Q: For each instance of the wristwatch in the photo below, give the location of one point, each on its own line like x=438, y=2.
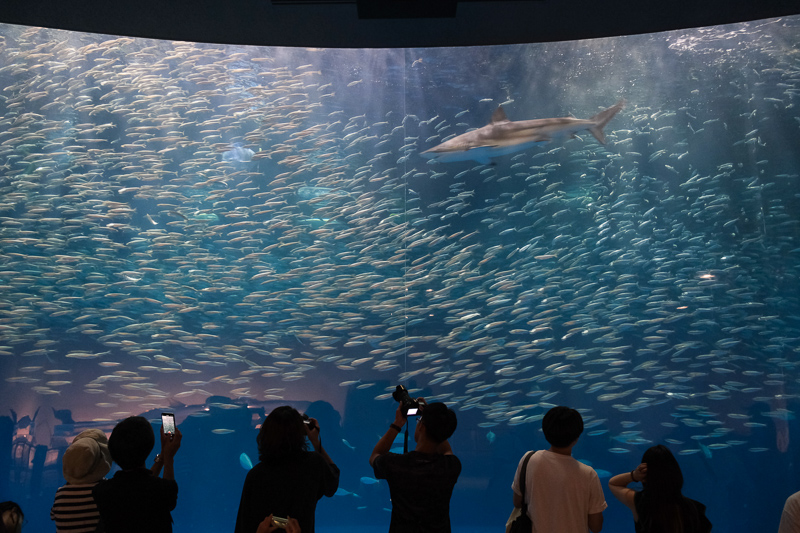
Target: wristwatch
x=157, y=459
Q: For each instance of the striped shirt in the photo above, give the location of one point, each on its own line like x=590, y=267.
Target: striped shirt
x=74, y=509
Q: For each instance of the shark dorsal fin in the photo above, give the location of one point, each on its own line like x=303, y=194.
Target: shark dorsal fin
x=499, y=115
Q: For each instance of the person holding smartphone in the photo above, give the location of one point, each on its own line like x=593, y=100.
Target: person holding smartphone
x=136, y=499
x=421, y=481
x=289, y=479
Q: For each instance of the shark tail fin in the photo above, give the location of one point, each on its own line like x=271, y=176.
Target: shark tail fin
x=603, y=118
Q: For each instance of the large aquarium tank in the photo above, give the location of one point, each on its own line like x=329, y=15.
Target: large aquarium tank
x=218, y=230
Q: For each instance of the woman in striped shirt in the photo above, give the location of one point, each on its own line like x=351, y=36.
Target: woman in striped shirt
x=85, y=463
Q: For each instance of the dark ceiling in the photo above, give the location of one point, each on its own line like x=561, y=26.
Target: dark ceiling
x=383, y=23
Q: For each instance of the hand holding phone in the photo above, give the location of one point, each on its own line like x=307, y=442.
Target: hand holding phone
x=168, y=421
x=289, y=524
x=170, y=439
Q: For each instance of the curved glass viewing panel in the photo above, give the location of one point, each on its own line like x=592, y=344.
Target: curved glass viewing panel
x=218, y=230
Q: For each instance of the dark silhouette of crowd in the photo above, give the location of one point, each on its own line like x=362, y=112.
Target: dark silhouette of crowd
x=555, y=491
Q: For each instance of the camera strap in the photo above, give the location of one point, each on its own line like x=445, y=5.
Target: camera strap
x=405, y=438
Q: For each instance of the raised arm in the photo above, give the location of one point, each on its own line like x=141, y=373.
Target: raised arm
x=312, y=430
x=169, y=447
x=619, y=487
x=385, y=443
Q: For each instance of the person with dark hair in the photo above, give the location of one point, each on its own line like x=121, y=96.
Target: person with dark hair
x=562, y=494
x=86, y=461
x=288, y=480
x=659, y=507
x=421, y=481
x=11, y=517
x=136, y=499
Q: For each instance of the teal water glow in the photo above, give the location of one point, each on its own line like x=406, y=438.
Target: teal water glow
x=219, y=230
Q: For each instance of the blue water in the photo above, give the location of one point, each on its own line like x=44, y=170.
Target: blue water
x=217, y=231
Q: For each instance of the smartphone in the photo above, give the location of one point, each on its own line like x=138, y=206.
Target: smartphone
x=280, y=522
x=168, y=421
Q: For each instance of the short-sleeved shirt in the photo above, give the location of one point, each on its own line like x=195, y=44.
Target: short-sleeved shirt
x=420, y=485
x=560, y=492
x=134, y=501
x=74, y=509
x=286, y=488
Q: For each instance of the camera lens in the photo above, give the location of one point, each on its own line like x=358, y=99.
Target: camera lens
x=410, y=406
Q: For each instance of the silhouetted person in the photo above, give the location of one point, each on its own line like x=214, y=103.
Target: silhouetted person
x=86, y=461
x=659, y=507
x=136, y=500
x=790, y=518
x=11, y=517
x=563, y=495
x=421, y=481
x=289, y=480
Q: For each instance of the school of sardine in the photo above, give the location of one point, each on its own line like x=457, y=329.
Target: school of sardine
x=174, y=208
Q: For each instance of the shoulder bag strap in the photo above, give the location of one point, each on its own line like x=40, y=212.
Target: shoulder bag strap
x=522, y=473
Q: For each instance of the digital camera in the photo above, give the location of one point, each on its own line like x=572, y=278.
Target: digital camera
x=307, y=421
x=409, y=405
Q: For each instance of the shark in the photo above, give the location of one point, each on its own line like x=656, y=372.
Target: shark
x=503, y=136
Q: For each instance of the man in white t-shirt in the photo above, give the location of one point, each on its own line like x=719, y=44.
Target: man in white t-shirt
x=563, y=495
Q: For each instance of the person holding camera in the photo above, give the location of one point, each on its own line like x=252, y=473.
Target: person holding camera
x=289, y=480
x=421, y=481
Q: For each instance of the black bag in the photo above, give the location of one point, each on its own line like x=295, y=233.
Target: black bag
x=519, y=522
